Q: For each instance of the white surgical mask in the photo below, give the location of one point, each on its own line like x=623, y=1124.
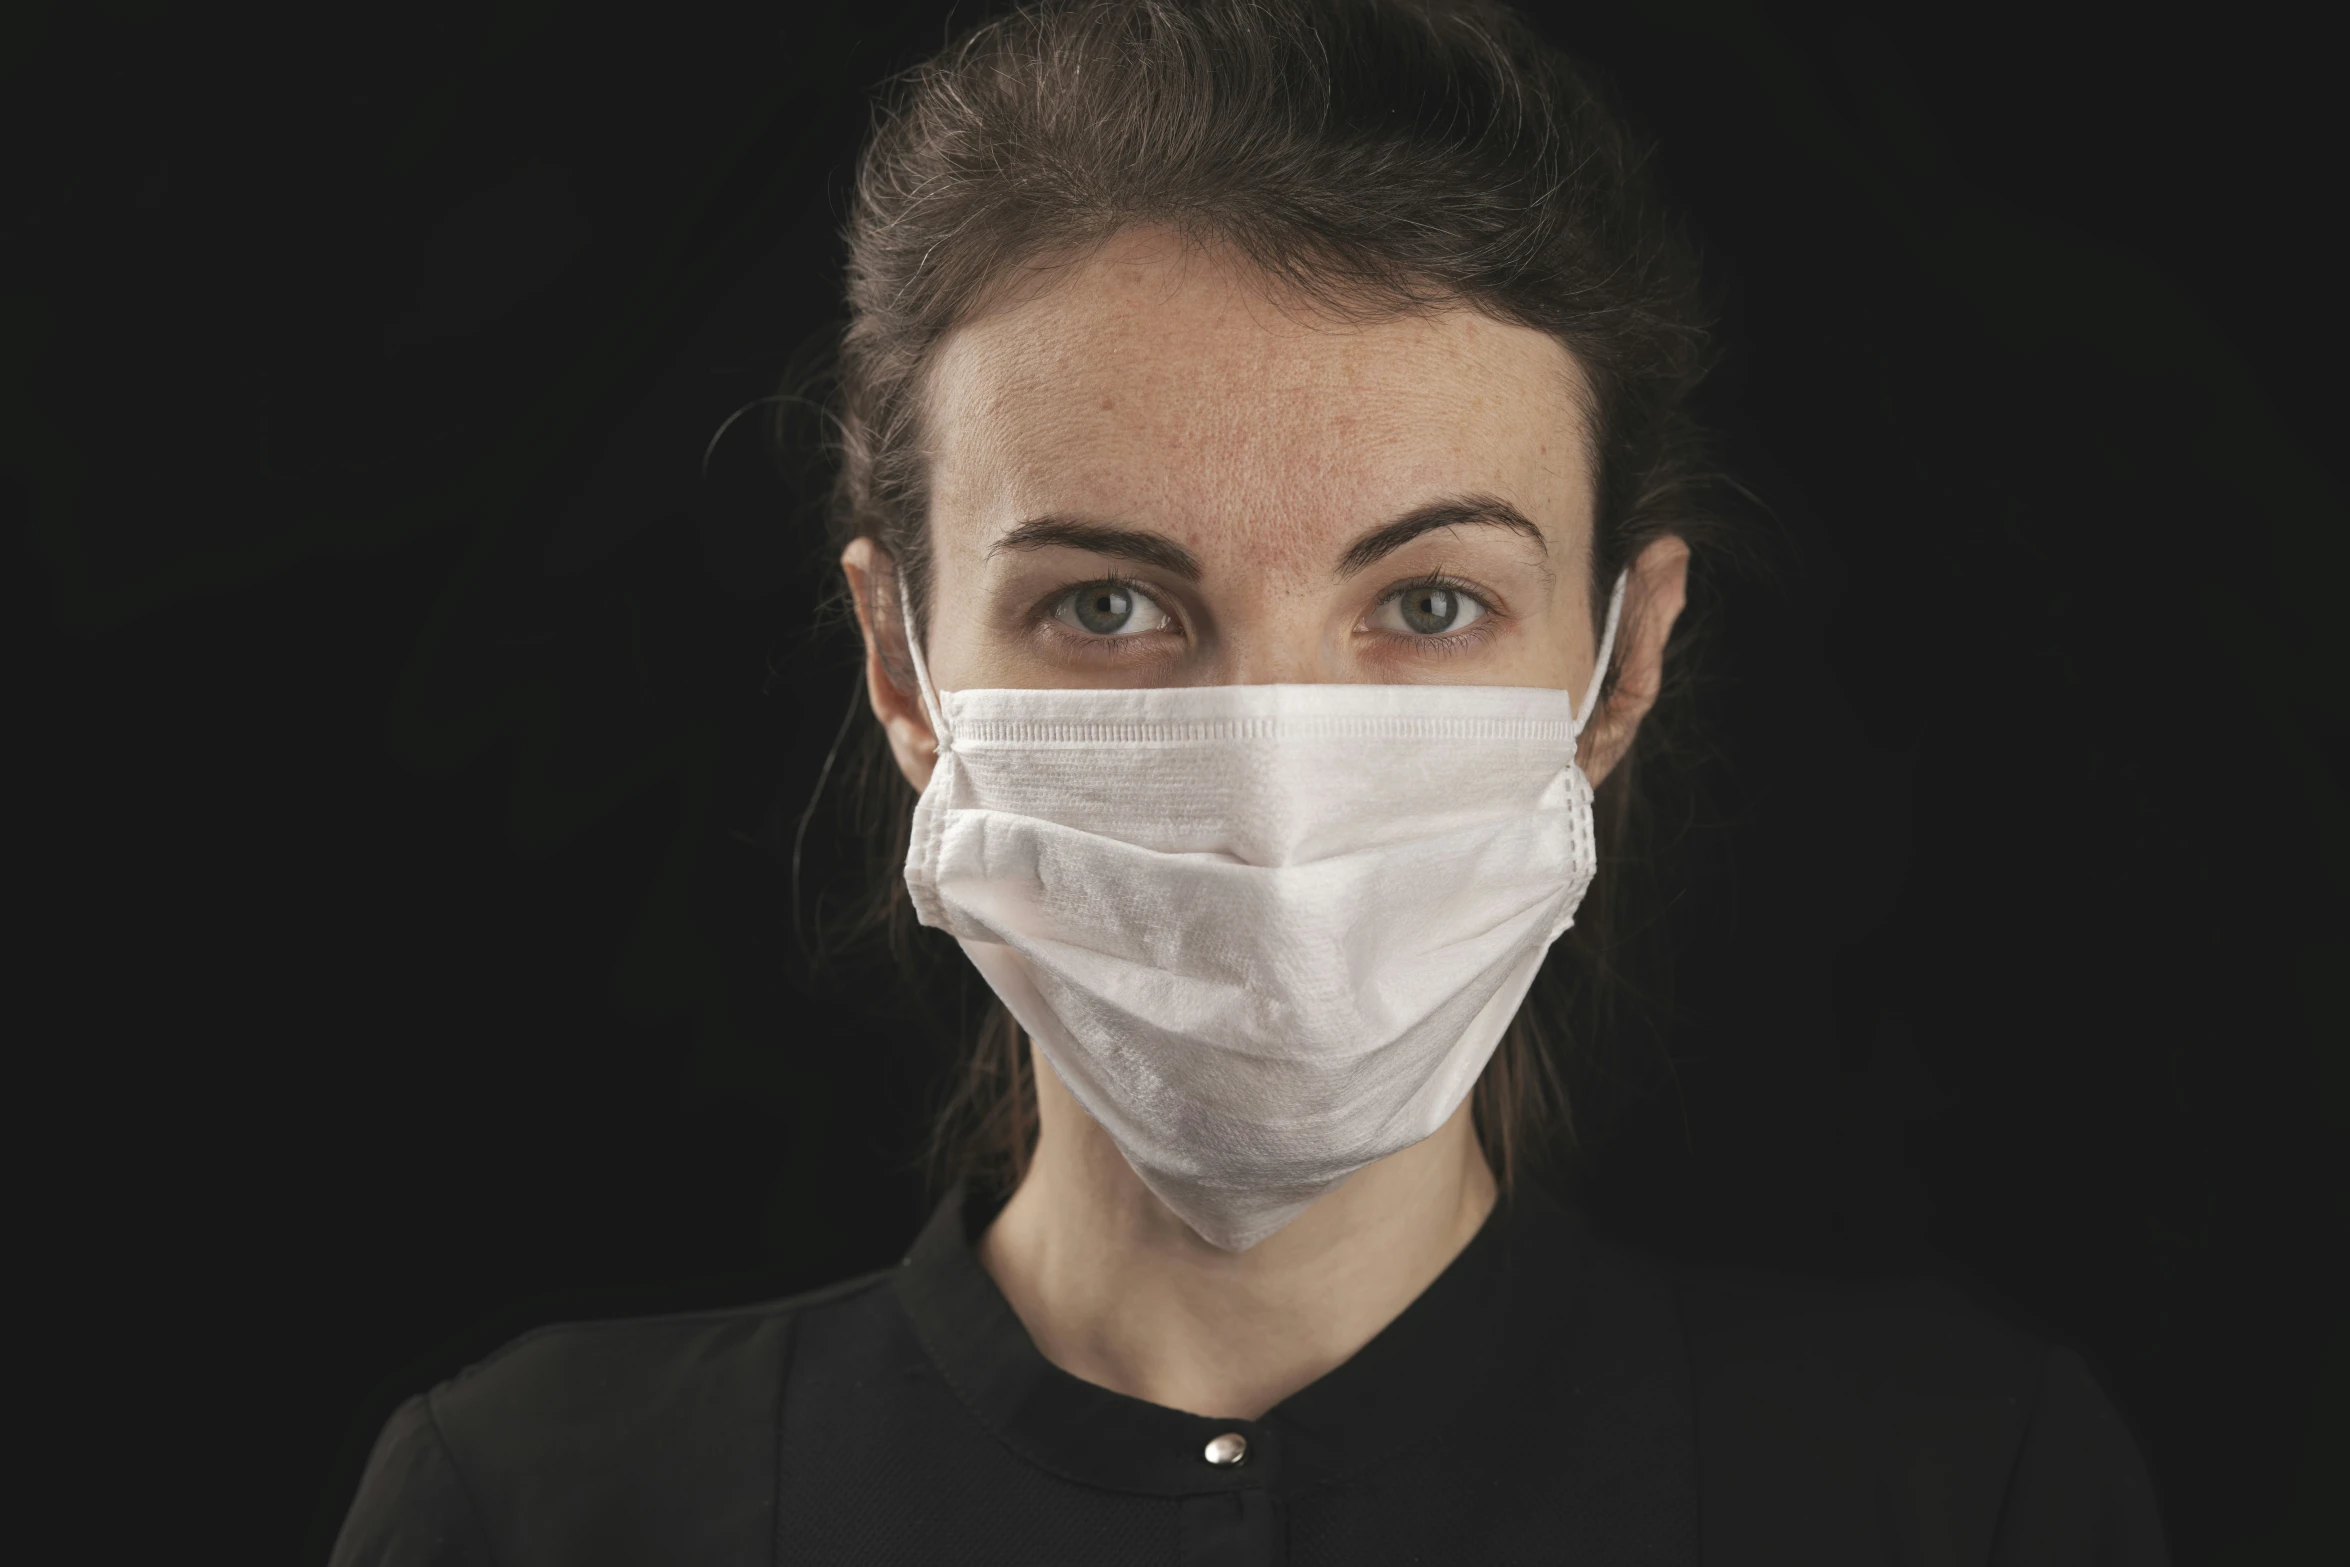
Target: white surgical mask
x=1264, y=934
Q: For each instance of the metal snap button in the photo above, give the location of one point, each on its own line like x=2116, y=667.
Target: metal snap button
x=1228, y=1449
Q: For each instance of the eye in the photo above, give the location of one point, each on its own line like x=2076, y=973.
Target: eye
x=1427, y=609
x=1109, y=609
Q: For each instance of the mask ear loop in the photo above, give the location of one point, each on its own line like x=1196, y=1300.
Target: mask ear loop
x=1607, y=643
x=931, y=706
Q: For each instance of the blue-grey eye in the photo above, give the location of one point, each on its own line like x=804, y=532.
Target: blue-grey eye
x=1428, y=611
x=1110, y=609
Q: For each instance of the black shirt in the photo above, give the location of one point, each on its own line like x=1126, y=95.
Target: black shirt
x=1551, y=1397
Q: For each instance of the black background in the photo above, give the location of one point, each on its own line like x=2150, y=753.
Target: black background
x=410, y=735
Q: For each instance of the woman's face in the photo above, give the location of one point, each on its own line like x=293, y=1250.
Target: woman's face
x=1145, y=472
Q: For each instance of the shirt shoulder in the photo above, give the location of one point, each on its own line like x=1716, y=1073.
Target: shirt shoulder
x=1846, y=1418
x=1896, y=1342
x=593, y=1441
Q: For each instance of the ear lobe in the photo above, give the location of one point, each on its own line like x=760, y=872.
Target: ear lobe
x=1600, y=749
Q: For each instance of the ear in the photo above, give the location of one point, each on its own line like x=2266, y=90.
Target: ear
x=873, y=584
x=1652, y=602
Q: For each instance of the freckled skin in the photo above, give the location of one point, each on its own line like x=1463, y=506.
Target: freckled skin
x=1164, y=389
x=1147, y=386
x=1155, y=386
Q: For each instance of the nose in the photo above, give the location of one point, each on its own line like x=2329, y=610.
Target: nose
x=1287, y=645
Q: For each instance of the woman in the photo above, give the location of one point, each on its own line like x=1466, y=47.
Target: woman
x=1268, y=499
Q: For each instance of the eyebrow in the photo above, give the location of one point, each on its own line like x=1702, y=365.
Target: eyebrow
x=1463, y=511
x=1156, y=549
x=1135, y=544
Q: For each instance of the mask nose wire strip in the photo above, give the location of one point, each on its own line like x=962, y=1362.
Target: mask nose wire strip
x=1607, y=643
x=930, y=702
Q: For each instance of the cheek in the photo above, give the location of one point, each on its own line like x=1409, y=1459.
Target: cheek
x=954, y=637
x=1547, y=671
x=1545, y=649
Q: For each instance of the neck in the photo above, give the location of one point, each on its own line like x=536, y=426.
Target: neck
x=1117, y=1290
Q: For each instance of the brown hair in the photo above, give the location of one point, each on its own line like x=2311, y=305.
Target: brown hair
x=1378, y=157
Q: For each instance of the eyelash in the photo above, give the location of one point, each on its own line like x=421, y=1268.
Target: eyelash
x=1441, y=644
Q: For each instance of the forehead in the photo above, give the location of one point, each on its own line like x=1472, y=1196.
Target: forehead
x=1160, y=385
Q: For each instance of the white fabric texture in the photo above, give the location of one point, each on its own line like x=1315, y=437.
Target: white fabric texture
x=1264, y=934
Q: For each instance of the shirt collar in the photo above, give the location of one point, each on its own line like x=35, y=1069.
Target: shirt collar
x=1399, y=1389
